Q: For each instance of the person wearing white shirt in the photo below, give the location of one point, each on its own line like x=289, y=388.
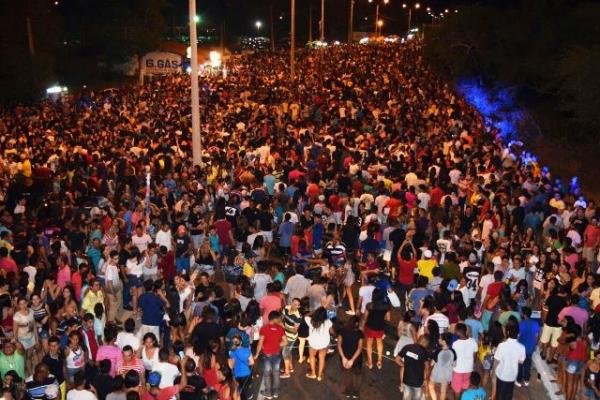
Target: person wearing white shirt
x=127, y=337
x=79, y=392
x=141, y=239
x=465, y=349
x=164, y=237
x=168, y=372
x=508, y=356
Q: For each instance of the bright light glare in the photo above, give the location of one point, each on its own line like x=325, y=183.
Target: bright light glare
x=196, y=18
x=403, y=5
x=215, y=59
x=336, y=42
x=258, y=24
x=417, y=6
x=380, y=23
x=364, y=40
x=56, y=89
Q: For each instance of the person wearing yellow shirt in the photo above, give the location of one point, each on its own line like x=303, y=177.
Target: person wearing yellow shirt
x=94, y=296
x=426, y=264
x=250, y=266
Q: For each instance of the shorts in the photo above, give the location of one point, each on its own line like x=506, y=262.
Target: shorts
x=209, y=269
x=460, y=381
x=135, y=281
x=373, y=334
x=387, y=255
x=590, y=394
x=43, y=333
x=182, y=263
x=486, y=316
x=550, y=334
x=574, y=366
x=267, y=235
x=71, y=373
x=28, y=342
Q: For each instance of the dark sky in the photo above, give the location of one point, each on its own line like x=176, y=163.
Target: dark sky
x=241, y=15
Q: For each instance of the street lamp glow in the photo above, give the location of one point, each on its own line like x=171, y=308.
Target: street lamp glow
x=386, y=1
x=403, y=5
x=215, y=59
x=428, y=9
x=380, y=23
x=417, y=6
x=197, y=19
x=455, y=11
x=446, y=11
x=258, y=24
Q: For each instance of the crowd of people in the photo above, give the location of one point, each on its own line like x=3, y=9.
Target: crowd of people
x=362, y=203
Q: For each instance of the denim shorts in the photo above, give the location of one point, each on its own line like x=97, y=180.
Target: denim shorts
x=135, y=281
x=573, y=367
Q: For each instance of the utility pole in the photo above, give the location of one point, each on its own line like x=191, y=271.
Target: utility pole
x=351, y=22
x=272, y=29
x=322, y=21
x=196, y=138
x=409, y=18
x=222, y=36
x=376, y=17
x=310, y=22
x=292, y=40
x=29, y=30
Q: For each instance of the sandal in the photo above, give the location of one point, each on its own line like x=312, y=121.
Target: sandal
x=311, y=376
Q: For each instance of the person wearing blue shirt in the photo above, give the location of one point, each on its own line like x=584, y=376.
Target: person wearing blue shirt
x=474, y=324
x=475, y=391
x=286, y=230
x=152, y=304
x=529, y=332
x=241, y=361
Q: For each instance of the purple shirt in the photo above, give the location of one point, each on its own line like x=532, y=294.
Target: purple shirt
x=579, y=315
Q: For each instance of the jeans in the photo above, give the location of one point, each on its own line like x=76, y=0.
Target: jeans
x=525, y=369
x=412, y=393
x=352, y=379
x=271, y=374
x=245, y=387
x=504, y=390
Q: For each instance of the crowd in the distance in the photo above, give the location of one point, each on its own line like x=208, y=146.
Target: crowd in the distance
x=362, y=197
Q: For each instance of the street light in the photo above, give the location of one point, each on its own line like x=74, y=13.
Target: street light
x=377, y=20
x=196, y=137
x=417, y=6
x=258, y=24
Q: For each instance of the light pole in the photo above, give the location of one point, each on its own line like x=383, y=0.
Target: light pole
x=196, y=137
x=322, y=38
x=376, y=23
x=258, y=24
x=351, y=22
x=379, y=25
x=292, y=40
x=417, y=6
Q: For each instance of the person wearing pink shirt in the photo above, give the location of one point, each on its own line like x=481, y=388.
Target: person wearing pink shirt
x=109, y=351
x=272, y=301
x=63, y=277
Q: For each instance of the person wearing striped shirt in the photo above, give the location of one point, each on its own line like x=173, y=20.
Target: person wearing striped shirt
x=291, y=323
x=130, y=362
x=42, y=384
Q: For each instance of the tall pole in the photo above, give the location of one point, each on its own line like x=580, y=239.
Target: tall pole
x=376, y=17
x=196, y=138
x=409, y=18
x=310, y=22
x=292, y=40
x=322, y=21
x=272, y=30
x=351, y=22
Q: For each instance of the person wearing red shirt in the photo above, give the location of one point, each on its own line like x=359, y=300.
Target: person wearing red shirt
x=407, y=261
x=166, y=265
x=436, y=196
x=272, y=339
x=7, y=263
x=167, y=393
x=223, y=228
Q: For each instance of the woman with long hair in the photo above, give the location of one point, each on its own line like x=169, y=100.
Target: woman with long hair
x=350, y=344
x=303, y=328
x=320, y=328
x=376, y=314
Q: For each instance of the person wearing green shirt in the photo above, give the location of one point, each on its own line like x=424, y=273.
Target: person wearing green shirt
x=12, y=358
x=450, y=268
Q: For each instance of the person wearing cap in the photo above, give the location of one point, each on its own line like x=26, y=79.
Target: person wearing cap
x=426, y=264
x=155, y=392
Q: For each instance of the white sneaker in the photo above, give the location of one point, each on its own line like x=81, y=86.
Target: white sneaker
x=518, y=384
x=526, y=383
x=350, y=312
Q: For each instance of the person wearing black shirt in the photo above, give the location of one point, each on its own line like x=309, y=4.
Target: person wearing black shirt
x=206, y=330
x=103, y=382
x=552, y=328
x=415, y=359
x=55, y=360
x=350, y=343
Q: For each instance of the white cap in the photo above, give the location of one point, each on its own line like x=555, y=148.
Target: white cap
x=427, y=253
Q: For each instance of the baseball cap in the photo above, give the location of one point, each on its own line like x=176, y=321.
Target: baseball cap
x=154, y=378
x=427, y=253
x=452, y=285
